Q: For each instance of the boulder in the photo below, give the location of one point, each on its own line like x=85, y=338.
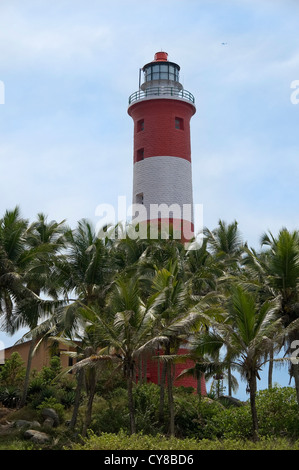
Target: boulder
x=37, y=437
x=231, y=400
x=49, y=422
x=23, y=423
x=50, y=413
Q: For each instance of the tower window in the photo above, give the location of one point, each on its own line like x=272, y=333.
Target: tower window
x=140, y=125
x=140, y=155
x=139, y=198
x=179, y=123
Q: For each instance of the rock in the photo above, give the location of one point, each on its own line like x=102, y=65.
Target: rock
x=22, y=423
x=37, y=437
x=50, y=413
x=49, y=422
x=231, y=400
x=35, y=424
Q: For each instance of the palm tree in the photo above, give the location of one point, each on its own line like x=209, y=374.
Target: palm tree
x=12, y=250
x=283, y=277
x=44, y=243
x=170, y=304
x=203, y=269
x=86, y=271
x=276, y=270
x=227, y=247
x=226, y=243
x=86, y=351
x=248, y=331
x=127, y=330
x=85, y=275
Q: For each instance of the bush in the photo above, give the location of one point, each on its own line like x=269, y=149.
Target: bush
x=229, y=423
x=122, y=441
x=44, y=386
x=52, y=403
x=37, y=396
x=278, y=412
x=10, y=396
x=110, y=415
x=49, y=373
x=13, y=371
x=188, y=419
x=147, y=400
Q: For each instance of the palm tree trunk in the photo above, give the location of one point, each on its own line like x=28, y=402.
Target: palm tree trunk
x=162, y=394
x=80, y=378
x=295, y=372
x=170, y=400
x=131, y=402
x=229, y=380
x=92, y=389
x=158, y=368
x=270, y=370
x=252, y=389
x=27, y=377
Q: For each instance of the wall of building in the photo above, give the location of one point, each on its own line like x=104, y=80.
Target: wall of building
x=40, y=359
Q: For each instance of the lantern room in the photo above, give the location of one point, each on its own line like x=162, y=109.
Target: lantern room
x=161, y=71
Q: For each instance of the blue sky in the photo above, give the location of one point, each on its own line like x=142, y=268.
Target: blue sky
x=68, y=68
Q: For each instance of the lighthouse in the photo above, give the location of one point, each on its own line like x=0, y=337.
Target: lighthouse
x=162, y=173
x=161, y=110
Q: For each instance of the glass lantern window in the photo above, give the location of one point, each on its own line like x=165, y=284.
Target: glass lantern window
x=161, y=72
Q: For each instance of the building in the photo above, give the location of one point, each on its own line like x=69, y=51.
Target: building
x=162, y=175
x=42, y=356
x=161, y=110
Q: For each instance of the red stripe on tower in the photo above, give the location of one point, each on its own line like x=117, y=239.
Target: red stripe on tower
x=162, y=180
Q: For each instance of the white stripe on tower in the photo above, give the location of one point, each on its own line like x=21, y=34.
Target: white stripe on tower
x=164, y=180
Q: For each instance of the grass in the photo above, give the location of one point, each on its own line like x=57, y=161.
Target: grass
x=122, y=441
x=137, y=442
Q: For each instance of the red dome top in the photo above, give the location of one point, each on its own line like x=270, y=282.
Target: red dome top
x=161, y=56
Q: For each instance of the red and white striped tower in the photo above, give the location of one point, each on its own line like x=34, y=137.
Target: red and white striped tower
x=161, y=110
x=162, y=180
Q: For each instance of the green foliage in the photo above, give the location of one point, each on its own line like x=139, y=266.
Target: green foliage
x=12, y=372
x=147, y=397
x=49, y=373
x=10, y=396
x=278, y=412
x=112, y=414
x=52, y=403
x=229, y=423
x=121, y=441
x=12, y=376
x=188, y=419
x=44, y=386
